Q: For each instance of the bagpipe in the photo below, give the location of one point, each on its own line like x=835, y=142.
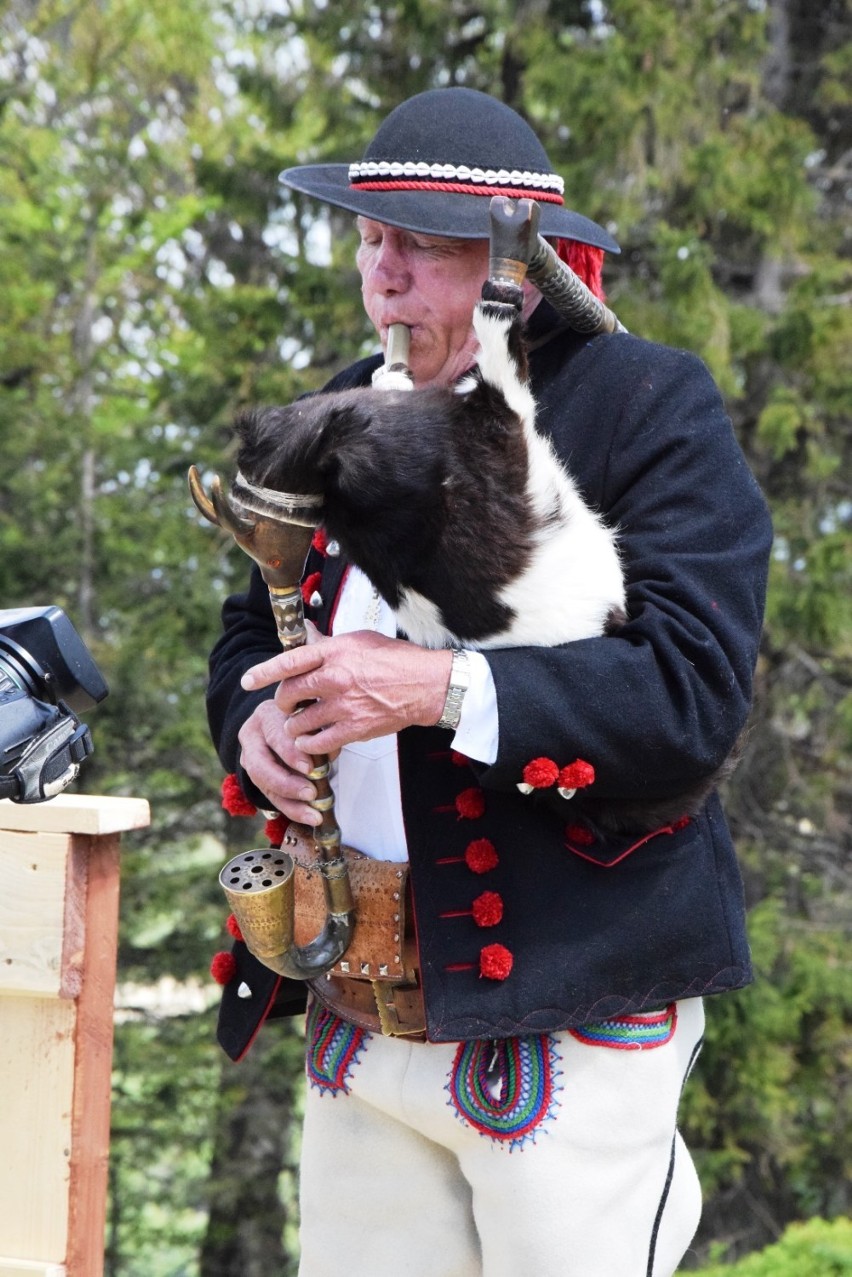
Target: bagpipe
x=410, y=508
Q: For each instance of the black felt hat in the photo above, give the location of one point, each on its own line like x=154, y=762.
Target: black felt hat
x=434, y=164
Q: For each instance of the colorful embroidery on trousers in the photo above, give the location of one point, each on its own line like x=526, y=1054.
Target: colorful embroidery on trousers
x=505, y=1089
x=332, y=1048
x=631, y=1032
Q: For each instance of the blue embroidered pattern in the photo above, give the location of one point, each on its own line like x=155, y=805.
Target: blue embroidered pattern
x=507, y=1088
x=631, y=1032
x=332, y=1049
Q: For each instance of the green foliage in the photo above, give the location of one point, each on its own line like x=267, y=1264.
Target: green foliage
x=782, y=1115
x=815, y=1249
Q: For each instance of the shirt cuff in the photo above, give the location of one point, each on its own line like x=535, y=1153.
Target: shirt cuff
x=478, y=732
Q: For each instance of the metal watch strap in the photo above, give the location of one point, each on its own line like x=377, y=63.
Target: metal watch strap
x=459, y=683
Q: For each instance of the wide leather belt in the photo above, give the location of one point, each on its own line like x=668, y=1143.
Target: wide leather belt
x=387, y=1007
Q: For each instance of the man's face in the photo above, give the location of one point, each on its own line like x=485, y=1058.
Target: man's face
x=431, y=285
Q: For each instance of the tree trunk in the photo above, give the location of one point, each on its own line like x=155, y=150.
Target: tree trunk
x=255, y=1134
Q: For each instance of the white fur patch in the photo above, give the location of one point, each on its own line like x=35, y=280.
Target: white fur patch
x=497, y=367
x=420, y=620
x=574, y=579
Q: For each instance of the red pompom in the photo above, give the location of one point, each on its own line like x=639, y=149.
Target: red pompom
x=481, y=856
x=223, y=967
x=234, y=800
x=275, y=829
x=233, y=927
x=577, y=775
x=580, y=834
x=458, y=760
x=495, y=962
x=319, y=541
x=310, y=584
x=585, y=261
x=488, y=909
x=470, y=804
x=541, y=773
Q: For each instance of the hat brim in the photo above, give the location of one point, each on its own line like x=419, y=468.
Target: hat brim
x=433, y=212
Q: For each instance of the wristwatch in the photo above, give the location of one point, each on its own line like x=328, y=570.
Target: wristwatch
x=459, y=683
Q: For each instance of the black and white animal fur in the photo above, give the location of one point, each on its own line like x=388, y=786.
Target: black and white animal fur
x=450, y=501
x=461, y=514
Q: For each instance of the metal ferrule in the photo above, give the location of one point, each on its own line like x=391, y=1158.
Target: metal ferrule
x=289, y=613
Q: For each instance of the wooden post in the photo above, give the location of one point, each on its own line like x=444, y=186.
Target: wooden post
x=59, y=881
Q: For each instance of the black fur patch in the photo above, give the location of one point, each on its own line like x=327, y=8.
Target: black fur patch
x=424, y=491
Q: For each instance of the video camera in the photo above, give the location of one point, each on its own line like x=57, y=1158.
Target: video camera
x=47, y=677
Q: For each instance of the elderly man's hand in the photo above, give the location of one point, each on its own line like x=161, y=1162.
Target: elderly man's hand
x=358, y=686
x=276, y=767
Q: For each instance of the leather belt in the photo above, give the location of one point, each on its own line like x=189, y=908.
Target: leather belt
x=388, y=1007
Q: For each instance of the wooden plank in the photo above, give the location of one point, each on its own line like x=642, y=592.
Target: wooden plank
x=93, y=1067
x=30, y=1268
x=34, y=869
x=37, y=1069
x=77, y=814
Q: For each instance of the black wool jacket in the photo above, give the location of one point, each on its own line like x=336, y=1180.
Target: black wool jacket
x=593, y=924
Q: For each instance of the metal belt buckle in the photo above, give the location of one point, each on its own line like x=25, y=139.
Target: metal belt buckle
x=383, y=992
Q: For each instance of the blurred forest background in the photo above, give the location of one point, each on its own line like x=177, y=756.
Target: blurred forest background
x=154, y=277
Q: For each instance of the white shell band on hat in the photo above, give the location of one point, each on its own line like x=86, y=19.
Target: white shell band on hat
x=419, y=172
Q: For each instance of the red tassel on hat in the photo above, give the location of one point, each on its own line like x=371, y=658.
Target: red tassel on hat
x=223, y=967
x=585, y=261
x=319, y=541
x=234, y=800
x=233, y=927
x=495, y=962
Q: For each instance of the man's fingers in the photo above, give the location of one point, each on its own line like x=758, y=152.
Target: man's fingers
x=300, y=660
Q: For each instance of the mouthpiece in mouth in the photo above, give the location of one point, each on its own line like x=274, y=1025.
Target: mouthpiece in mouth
x=394, y=373
x=399, y=344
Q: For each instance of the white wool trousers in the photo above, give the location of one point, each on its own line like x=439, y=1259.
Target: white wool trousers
x=554, y=1154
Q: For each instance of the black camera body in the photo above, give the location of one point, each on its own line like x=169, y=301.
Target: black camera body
x=47, y=678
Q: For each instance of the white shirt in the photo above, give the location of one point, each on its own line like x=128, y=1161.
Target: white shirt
x=365, y=776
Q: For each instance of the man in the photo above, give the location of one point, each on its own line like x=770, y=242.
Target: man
x=527, y=1122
